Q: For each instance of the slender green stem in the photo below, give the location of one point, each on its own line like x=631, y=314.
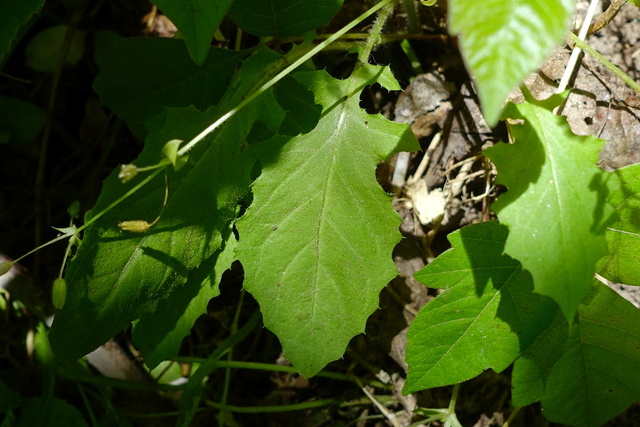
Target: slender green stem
x=512, y=416
x=163, y=164
x=87, y=405
x=227, y=373
x=44, y=245
x=121, y=199
x=237, y=364
x=280, y=76
x=412, y=15
x=454, y=398
x=374, y=38
x=276, y=408
x=604, y=61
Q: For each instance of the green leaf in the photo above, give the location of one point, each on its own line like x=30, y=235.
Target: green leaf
x=116, y=277
x=14, y=15
x=62, y=414
x=555, y=207
x=197, y=21
x=170, y=150
x=623, y=263
x=9, y=398
x=22, y=120
x=316, y=242
x=487, y=315
x=282, y=18
x=45, y=50
x=503, y=41
x=302, y=112
x=148, y=74
x=584, y=374
x=159, y=335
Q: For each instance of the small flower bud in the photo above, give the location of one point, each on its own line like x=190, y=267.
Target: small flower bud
x=74, y=209
x=5, y=266
x=59, y=293
x=134, y=226
x=127, y=172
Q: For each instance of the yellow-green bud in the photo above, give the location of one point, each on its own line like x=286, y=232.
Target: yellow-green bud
x=138, y=226
x=127, y=172
x=59, y=293
x=5, y=266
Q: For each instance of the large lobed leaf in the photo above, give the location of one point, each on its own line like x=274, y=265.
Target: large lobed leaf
x=146, y=75
x=623, y=263
x=282, y=18
x=584, y=373
x=14, y=15
x=117, y=277
x=197, y=20
x=159, y=334
x=555, y=205
x=504, y=40
x=485, y=317
x=316, y=242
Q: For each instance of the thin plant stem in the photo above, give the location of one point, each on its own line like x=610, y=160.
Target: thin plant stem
x=50, y=242
x=604, y=61
x=271, y=409
x=454, y=398
x=512, y=416
x=121, y=199
x=607, y=16
x=573, y=59
x=412, y=15
x=374, y=38
x=227, y=373
x=280, y=76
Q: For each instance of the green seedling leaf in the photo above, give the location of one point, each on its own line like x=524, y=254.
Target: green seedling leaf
x=170, y=150
x=159, y=334
x=584, y=374
x=487, y=315
x=116, y=277
x=14, y=15
x=146, y=75
x=197, y=21
x=44, y=51
x=282, y=18
x=555, y=205
x=622, y=265
x=503, y=41
x=316, y=242
x=70, y=231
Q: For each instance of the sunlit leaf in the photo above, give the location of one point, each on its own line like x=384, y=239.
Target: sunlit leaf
x=503, y=41
x=486, y=316
x=583, y=374
x=316, y=242
x=555, y=205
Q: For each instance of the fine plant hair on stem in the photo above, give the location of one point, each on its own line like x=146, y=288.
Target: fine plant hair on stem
x=376, y=31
